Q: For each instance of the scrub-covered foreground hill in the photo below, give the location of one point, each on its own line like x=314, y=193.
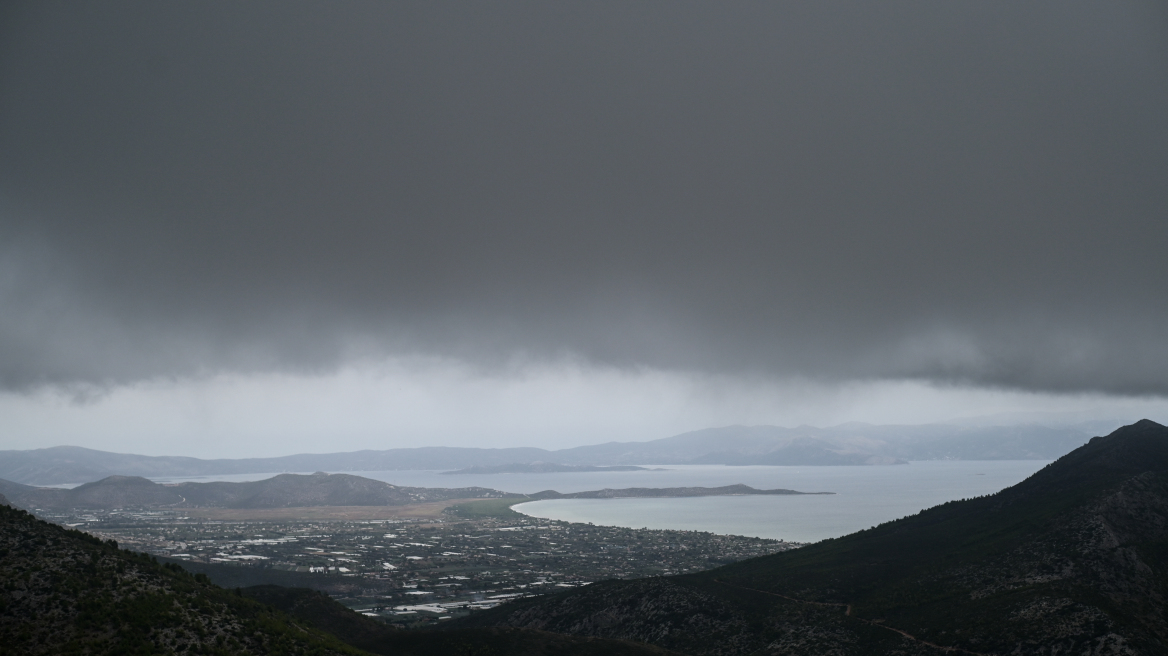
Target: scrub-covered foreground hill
x=1073, y=560
x=378, y=638
x=65, y=592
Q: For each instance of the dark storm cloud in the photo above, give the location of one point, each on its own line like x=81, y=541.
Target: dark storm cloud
x=971, y=192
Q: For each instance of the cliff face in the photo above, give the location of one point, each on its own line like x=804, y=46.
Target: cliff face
x=1072, y=560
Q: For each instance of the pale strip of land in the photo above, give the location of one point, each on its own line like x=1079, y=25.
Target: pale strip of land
x=428, y=510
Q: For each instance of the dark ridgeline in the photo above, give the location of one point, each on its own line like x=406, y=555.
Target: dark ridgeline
x=1072, y=560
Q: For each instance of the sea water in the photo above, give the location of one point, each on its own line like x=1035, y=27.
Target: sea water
x=863, y=495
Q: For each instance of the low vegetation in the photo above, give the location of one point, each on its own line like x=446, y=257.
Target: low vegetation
x=496, y=508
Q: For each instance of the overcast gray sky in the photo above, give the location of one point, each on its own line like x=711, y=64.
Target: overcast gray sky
x=964, y=196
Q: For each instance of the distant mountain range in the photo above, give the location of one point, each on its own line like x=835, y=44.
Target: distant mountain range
x=1072, y=560
x=543, y=468
x=848, y=444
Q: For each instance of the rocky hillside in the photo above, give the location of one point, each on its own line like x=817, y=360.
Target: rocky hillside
x=282, y=491
x=1072, y=560
x=65, y=592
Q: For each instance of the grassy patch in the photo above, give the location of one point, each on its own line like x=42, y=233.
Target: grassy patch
x=487, y=508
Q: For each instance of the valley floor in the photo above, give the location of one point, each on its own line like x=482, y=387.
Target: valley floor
x=411, y=570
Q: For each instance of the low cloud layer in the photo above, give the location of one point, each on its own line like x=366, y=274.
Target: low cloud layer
x=968, y=193
x=431, y=402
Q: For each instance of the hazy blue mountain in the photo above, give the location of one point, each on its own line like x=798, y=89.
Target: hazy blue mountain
x=838, y=445
x=71, y=464
x=847, y=444
x=542, y=468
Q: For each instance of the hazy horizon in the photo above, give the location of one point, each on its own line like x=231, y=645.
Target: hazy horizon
x=1092, y=423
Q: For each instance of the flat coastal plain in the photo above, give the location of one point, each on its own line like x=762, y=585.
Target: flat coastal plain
x=427, y=510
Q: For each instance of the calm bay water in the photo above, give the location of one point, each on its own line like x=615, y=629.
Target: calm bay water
x=864, y=496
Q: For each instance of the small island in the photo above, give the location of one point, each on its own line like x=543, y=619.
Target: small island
x=663, y=492
x=501, y=508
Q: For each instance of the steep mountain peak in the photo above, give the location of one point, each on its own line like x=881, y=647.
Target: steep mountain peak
x=1146, y=423
x=1132, y=431
x=1141, y=430
x=1130, y=450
